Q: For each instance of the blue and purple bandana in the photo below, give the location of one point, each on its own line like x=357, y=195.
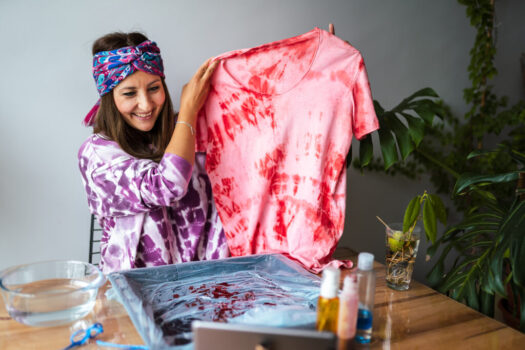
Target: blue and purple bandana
x=111, y=67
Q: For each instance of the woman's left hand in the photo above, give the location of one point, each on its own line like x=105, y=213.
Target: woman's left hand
x=195, y=92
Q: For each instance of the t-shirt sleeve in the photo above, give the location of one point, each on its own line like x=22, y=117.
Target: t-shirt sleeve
x=126, y=185
x=364, y=119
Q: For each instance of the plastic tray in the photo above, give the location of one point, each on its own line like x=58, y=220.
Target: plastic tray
x=269, y=290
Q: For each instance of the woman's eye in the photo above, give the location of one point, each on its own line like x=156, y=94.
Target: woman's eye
x=129, y=94
x=154, y=88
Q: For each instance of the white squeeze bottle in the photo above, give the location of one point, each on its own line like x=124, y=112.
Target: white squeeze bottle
x=348, y=306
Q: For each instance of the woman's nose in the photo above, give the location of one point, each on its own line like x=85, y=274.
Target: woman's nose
x=144, y=102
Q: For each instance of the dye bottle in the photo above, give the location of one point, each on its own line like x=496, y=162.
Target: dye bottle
x=366, y=280
x=348, y=305
x=328, y=303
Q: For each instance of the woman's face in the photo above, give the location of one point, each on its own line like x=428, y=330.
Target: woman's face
x=140, y=98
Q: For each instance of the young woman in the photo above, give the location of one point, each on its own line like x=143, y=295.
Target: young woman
x=144, y=182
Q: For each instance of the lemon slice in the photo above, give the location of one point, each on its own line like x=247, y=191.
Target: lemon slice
x=396, y=241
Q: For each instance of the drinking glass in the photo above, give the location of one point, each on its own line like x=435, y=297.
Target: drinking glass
x=401, y=252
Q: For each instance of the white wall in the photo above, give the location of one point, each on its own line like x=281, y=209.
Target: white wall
x=46, y=89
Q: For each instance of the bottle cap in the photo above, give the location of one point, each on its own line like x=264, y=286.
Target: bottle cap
x=365, y=261
x=330, y=283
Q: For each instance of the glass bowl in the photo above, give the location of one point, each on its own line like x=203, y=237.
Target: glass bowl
x=50, y=293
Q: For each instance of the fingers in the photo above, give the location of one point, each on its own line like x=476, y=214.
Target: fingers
x=210, y=69
x=331, y=28
x=202, y=69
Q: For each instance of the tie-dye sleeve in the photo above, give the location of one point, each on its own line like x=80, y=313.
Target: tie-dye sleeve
x=126, y=185
x=364, y=120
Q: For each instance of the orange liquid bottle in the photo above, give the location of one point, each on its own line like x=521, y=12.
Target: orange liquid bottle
x=328, y=303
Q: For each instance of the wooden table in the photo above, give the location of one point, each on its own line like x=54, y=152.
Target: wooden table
x=417, y=318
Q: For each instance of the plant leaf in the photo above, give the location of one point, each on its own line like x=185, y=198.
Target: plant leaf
x=522, y=309
x=366, y=150
x=435, y=276
x=487, y=303
x=472, y=297
x=467, y=180
x=480, y=152
x=378, y=109
x=427, y=105
x=411, y=213
x=429, y=221
x=425, y=92
x=388, y=147
x=402, y=137
x=496, y=267
x=439, y=208
x=416, y=128
x=425, y=114
x=513, y=230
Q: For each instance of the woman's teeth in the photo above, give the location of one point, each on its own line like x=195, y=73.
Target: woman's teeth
x=142, y=116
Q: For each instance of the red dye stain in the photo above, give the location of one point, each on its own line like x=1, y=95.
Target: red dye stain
x=361, y=64
x=275, y=71
x=341, y=76
x=268, y=165
x=278, y=183
x=313, y=75
x=215, y=147
x=176, y=295
x=270, y=70
x=334, y=164
x=280, y=227
x=231, y=302
x=359, y=100
x=241, y=226
x=296, y=179
x=257, y=236
x=258, y=85
x=224, y=105
x=227, y=185
x=268, y=112
x=249, y=109
x=300, y=50
x=318, y=145
x=229, y=210
x=227, y=127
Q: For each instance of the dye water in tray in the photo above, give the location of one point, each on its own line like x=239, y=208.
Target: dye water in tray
x=264, y=289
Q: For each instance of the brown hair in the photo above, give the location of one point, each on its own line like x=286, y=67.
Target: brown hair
x=109, y=121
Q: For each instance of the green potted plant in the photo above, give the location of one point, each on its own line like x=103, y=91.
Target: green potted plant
x=486, y=191
x=489, y=242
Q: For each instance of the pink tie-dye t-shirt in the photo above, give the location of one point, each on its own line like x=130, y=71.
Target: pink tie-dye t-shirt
x=277, y=127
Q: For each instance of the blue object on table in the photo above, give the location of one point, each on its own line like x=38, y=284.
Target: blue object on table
x=80, y=337
x=269, y=290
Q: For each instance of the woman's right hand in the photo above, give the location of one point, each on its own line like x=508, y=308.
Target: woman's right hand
x=195, y=92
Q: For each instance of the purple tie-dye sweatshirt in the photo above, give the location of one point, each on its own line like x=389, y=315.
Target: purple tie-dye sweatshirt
x=150, y=213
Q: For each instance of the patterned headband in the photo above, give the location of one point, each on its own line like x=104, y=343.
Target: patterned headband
x=111, y=67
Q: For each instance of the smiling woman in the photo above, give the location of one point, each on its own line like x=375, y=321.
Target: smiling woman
x=144, y=182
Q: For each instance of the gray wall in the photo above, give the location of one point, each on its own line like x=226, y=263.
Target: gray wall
x=46, y=89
